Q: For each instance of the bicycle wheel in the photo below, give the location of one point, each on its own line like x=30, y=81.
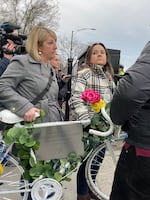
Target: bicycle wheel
x=12, y=187
x=100, y=170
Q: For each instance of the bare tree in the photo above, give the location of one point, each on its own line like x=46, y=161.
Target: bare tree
x=64, y=45
x=28, y=13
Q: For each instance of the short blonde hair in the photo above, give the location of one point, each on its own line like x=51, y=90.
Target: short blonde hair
x=36, y=38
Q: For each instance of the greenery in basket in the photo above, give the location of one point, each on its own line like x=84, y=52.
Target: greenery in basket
x=25, y=142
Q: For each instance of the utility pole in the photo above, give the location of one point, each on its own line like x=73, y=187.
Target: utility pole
x=70, y=62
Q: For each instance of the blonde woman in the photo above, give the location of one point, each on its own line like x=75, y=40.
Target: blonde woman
x=28, y=75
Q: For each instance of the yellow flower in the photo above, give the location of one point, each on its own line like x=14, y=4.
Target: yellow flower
x=1, y=169
x=98, y=106
x=102, y=103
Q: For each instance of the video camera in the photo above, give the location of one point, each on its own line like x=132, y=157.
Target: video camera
x=6, y=32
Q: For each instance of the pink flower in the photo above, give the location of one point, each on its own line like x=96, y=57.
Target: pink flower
x=90, y=96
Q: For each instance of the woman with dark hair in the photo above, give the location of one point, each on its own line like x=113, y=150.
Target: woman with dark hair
x=97, y=74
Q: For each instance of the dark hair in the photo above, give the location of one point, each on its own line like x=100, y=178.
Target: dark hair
x=107, y=67
x=121, y=66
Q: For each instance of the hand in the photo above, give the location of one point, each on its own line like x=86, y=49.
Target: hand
x=10, y=46
x=66, y=78
x=31, y=114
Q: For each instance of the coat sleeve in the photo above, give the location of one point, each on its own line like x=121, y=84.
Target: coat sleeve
x=77, y=105
x=9, y=84
x=3, y=65
x=133, y=90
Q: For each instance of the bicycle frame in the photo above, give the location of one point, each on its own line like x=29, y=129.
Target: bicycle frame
x=15, y=187
x=41, y=183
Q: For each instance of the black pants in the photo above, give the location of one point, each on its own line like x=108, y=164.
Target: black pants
x=82, y=186
x=132, y=177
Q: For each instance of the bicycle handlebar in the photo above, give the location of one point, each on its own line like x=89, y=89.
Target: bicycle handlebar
x=109, y=131
x=57, y=123
x=9, y=117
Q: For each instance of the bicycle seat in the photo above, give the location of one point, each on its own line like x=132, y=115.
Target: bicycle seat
x=9, y=117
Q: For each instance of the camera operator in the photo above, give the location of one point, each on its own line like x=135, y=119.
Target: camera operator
x=8, y=52
x=9, y=41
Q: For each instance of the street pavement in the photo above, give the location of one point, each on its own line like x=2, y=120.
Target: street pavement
x=105, y=177
x=69, y=188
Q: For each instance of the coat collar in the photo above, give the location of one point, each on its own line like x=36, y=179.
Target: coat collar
x=98, y=69
x=31, y=60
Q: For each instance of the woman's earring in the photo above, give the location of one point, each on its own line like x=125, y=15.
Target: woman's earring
x=40, y=52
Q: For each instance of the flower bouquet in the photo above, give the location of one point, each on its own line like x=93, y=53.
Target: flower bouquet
x=100, y=120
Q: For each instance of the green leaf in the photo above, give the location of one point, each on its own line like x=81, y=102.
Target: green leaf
x=28, y=124
x=23, y=154
x=8, y=139
x=26, y=175
x=49, y=174
x=32, y=162
x=23, y=138
x=42, y=113
x=58, y=176
x=24, y=164
x=107, y=107
x=63, y=162
x=67, y=179
x=36, y=145
x=37, y=170
x=72, y=157
x=30, y=142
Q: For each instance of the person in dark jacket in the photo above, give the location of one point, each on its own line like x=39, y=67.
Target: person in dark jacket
x=130, y=108
x=10, y=46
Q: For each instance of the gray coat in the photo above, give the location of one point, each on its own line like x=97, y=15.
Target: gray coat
x=23, y=80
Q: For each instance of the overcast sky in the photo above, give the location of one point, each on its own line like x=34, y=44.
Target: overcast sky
x=119, y=24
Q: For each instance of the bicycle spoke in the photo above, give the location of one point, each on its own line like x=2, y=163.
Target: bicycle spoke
x=11, y=185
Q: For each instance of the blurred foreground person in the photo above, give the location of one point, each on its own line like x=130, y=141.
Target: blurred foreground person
x=130, y=108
